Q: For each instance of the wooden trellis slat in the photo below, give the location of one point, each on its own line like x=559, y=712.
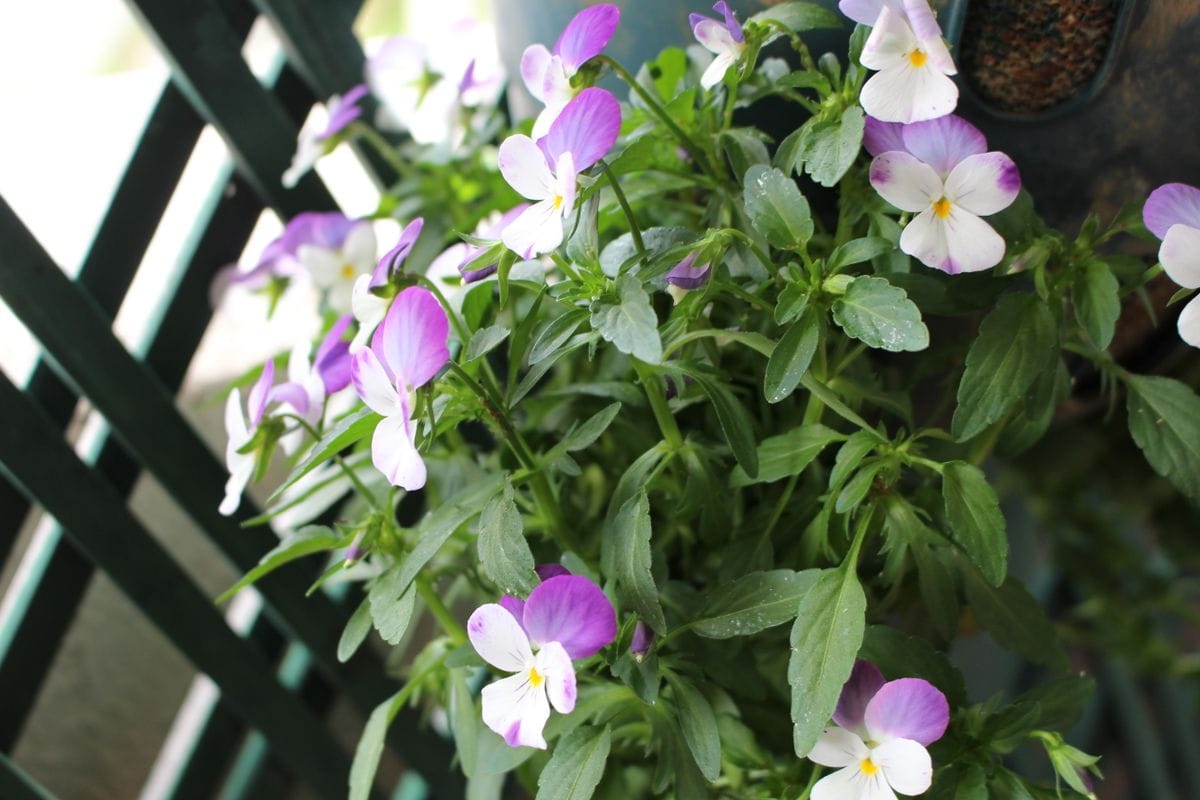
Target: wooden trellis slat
x=16, y=785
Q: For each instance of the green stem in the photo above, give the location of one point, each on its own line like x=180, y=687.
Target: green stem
x=382, y=147
x=754, y=248
x=442, y=614
x=634, y=230
x=860, y=536
x=658, y=404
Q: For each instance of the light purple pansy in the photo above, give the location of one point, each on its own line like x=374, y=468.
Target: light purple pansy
x=725, y=40
x=456, y=257
x=547, y=73
x=1172, y=213
x=314, y=138
x=687, y=274
x=309, y=383
x=544, y=572
x=368, y=308
x=879, y=740
x=642, y=641
x=545, y=171
x=947, y=232
x=334, y=268
x=914, y=65
x=941, y=143
x=278, y=258
x=407, y=351
x=566, y=617
x=240, y=429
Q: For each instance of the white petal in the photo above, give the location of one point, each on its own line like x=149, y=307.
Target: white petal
x=961, y=242
x=235, y=423
x=323, y=265
x=564, y=182
x=905, y=765
x=904, y=93
x=524, y=166
x=298, y=367
x=339, y=295
x=373, y=385
x=541, y=125
x=538, y=230
x=889, y=43
x=359, y=248
x=984, y=183
x=306, y=157
x=851, y=784
x=394, y=452
x=904, y=181
x=239, y=476
x=838, y=747
x=516, y=710
x=368, y=309
x=534, y=62
x=499, y=638
x=717, y=69
x=1189, y=323
x=555, y=666
x=1180, y=255
x=715, y=37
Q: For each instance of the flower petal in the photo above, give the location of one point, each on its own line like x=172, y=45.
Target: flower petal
x=864, y=12
x=715, y=73
x=1189, y=323
x=881, y=137
x=260, y=394
x=865, y=680
x=373, y=384
x=904, y=181
x=513, y=605
x=1180, y=255
x=538, y=229
x=889, y=43
x=517, y=710
x=908, y=708
x=904, y=93
x=905, y=765
x=572, y=611
x=368, y=309
x=394, y=258
x=394, y=453
x=239, y=476
x=1171, y=204
x=838, y=747
x=413, y=336
x=359, y=248
x=731, y=23
x=498, y=638
x=524, y=166
x=943, y=142
x=961, y=242
x=715, y=37
x=587, y=34
x=686, y=275
x=333, y=357
x=984, y=184
x=920, y=17
x=235, y=424
x=547, y=571
x=587, y=129
x=534, y=62
x=555, y=666
x=851, y=784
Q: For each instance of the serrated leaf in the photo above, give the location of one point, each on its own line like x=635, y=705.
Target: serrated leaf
x=753, y=603
x=630, y=324
x=856, y=251
x=484, y=340
x=791, y=304
x=791, y=356
x=699, y=725
x=1060, y=702
x=635, y=585
x=881, y=315
x=1097, y=296
x=787, y=454
x=1015, y=343
x=800, y=16
x=355, y=632
x=1015, y=620
x=576, y=765
x=831, y=146
x=825, y=639
x=1164, y=420
x=304, y=542
x=735, y=423
x=392, y=605
x=776, y=208
x=554, y=334
x=504, y=554
x=348, y=431
x=976, y=523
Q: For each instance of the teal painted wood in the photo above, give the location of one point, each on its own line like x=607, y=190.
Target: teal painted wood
x=36, y=458
x=15, y=784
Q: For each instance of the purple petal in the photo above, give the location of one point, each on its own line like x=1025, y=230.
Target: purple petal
x=865, y=680
x=643, y=639
x=547, y=571
x=921, y=18
x=687, y=276
x=943, y=142
x=332, y=361
x=731, y=23
x=392, y=260
x=587, y=129
x=260, y=394
x=572, y=611
x=586, y=35
x=908, y=708
x=514, y=605
x=343, y=110
x=865, y=12
x=411, y=341
x=324, y=229
x=292, y=394
x=883, y=137
x=1171, y=204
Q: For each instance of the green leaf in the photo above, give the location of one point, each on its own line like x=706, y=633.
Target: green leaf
x=576, y=765
x=1164, y=420
x=856, y=251
x=787, y=454
x=1015, y=620
x=699, y=725
x=856, y=489
x=485, y=340
x=824, y=642
x=631, y=483
x=630, y=324
x=1097, y=298
x=584, y=435
x=973, y=514
x=791, y=357
x=370, y=745
x=850, y=455
x=304, y=542
x=554, y=334
x=800, y=16
x=753, y=603
x=1015, y=343
x=745, y=148
x=831, y=146
x=619, y=254
x=900, y=655
x=1061, y=701
x=735, y=423
x=392, y=606
x=464, y=721
x=791, y=304
x=355, y=632
x=776, y=208
x=635, y=584
x=348, y=431
x=881, y=315
x=504, y=554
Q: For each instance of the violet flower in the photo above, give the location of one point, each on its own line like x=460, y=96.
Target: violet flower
x=943, y=176
x=407, y=351
x=725, y=39
x=883, y=728
x=545, y=572
x=1172, y=213
x=334, y=267
x=565, y=618
x=309, y=384
x=240, y=430
x=369, y=308
x=317, y=133
x=547, y=73
x=546, y=171
x=456, y=257
x=686, y=275
x=642, y=641
x=914, y=65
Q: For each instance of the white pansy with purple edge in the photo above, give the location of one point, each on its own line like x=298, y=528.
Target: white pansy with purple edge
x=368, y=308
x=547, y=73
x=407, y=351
x=567, y=617
x=334, y=269
x=314, y=137
x=239, y=430
x=949, y=192
x=725, y=40
x=310, y=383
x=1172, y=213
x=545, y=171
x=914, y=65
x=878, y=744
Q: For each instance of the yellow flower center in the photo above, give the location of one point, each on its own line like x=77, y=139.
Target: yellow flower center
x=348, y=271
x=535, y=678
x=941, y=207
x=558, y=201
x=917, y=58
x=867, y=766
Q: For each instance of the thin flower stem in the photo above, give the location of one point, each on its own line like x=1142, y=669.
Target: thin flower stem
x=776, y=514
x=442, y=614
x=634, y=230
x=382, y=147
x=754, y=248
x=658, y=404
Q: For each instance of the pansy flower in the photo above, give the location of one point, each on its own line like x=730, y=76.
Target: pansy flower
x=240, y=429
x=724, y=39
x=914, y=65
x=334, y=268
x=309, y=383
x=315, y=136
x=369, y=308
x=942, y=176
x=457, y=257
x=879, y=740
x=567, y=617
x=407, y=351
x=547, y=73
x=1172, y=213
x=545, y=171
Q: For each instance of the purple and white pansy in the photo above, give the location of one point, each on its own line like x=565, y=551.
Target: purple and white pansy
x=335, y=267
x=725, y=39
x=913, y=63
x=369, y=308
x=315, y=136
x=879, y=740
x=567, y=617
x=240, y=429
x=545, y=171
x=945, y=177
x=547, y=73
x=407, y=351
x=309, y=383
x=1172, y=213
x=457, y=257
